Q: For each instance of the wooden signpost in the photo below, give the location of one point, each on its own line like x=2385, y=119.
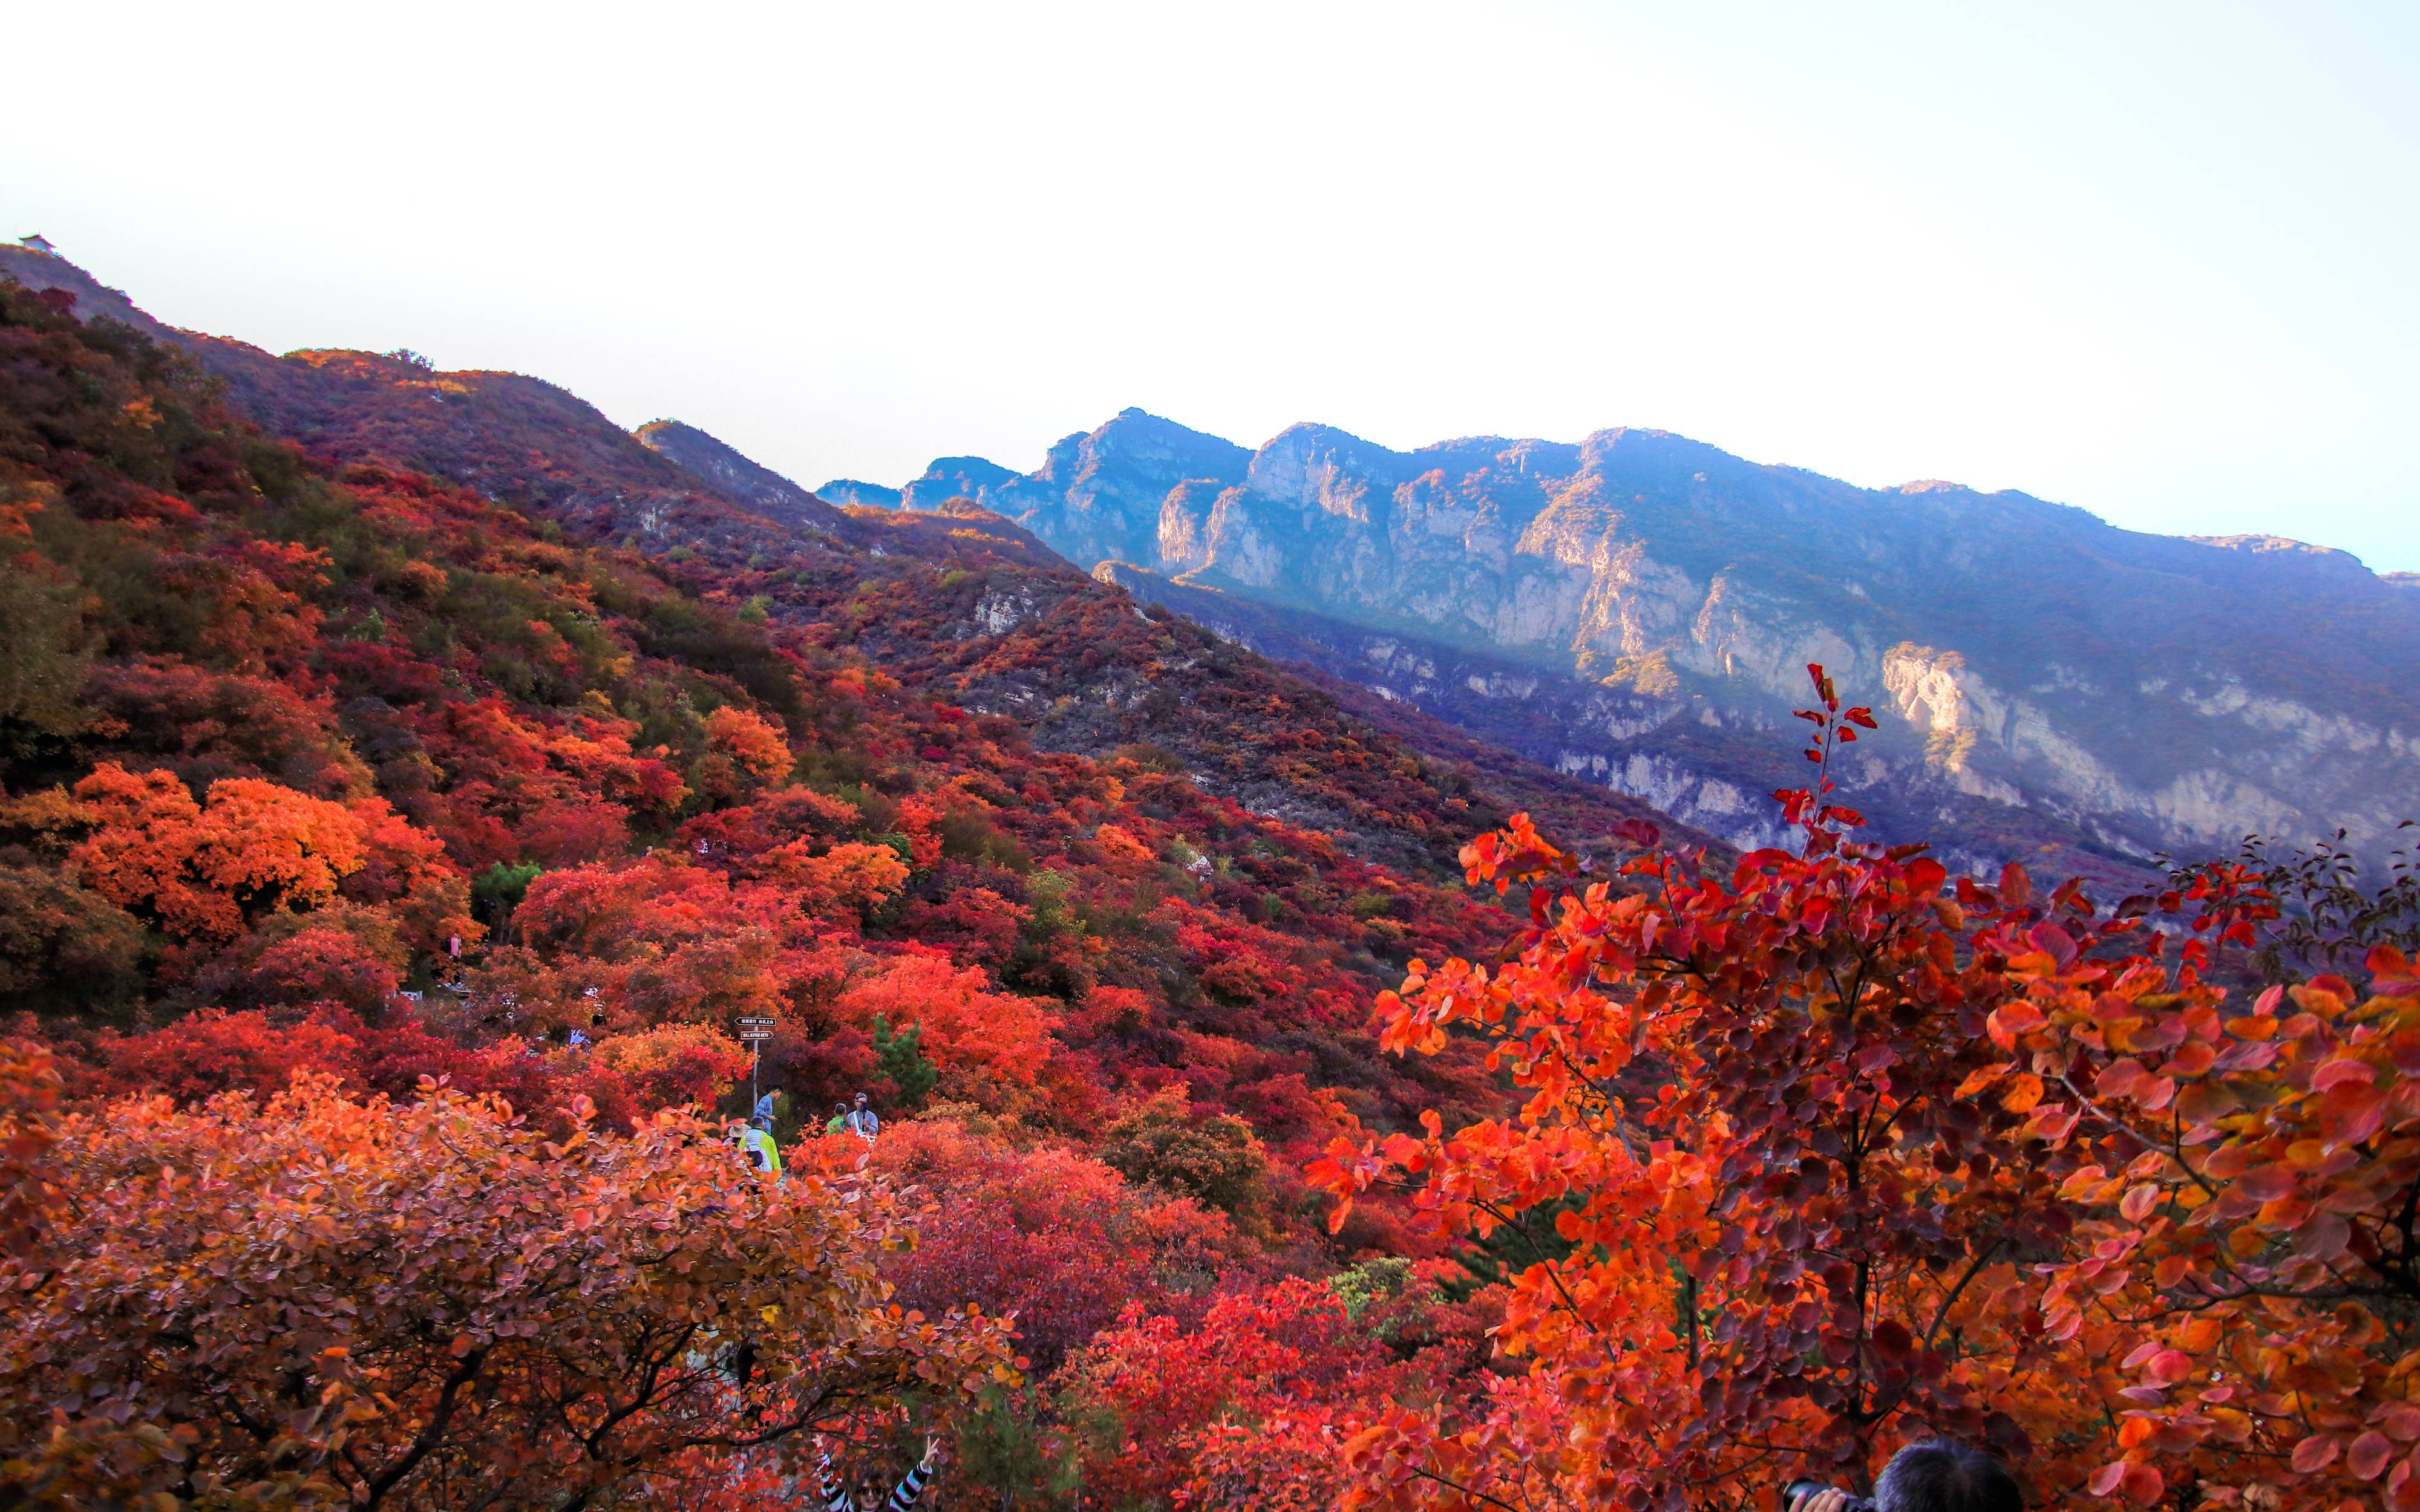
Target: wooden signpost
x=753, y=1032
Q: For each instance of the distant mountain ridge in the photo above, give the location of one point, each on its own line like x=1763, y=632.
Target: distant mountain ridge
x=1633, y=611
x=2047, y=679
x=1009, y=628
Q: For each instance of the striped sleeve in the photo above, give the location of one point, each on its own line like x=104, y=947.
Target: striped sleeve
x=836, y=1497
x=904, y=1495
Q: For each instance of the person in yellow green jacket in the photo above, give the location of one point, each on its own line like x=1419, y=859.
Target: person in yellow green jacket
x=757, y=1144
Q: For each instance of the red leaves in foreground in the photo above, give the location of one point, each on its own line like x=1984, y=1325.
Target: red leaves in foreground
x=319, y=1300
x=1843, y=1157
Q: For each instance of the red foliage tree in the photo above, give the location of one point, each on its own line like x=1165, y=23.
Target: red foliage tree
x=1050, y=1238
x=989, y=1046
x=1249, y=1407
x=426, y=1305
x=1836, y=1155
x=200, y=869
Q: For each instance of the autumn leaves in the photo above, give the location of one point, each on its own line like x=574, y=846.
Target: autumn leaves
x=315, y=1299
x=1844, y=1154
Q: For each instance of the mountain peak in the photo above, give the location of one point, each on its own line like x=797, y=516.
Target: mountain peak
x=41, y=268
x=1135, y=423
x=953, y=477
x=845, y=492
x=1319, y=433
x=738, y=478
x=1158, y=450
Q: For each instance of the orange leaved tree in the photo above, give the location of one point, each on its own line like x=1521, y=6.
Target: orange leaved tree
x=252, y=847
x=2243, y=1284
x=315, y=1300
x=1773, y=1221
x=1827, y=1154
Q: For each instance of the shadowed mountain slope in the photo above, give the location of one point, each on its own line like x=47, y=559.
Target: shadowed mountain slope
x=732, y=475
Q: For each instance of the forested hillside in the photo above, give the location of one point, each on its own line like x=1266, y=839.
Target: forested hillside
x=331, y=714
x=464, y=738
x=409, y=782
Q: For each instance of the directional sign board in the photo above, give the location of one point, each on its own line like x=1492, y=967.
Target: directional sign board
x=755, y=1028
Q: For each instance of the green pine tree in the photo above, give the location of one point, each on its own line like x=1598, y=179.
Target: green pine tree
x=901, y=1058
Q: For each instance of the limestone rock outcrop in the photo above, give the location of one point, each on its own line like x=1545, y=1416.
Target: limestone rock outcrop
x=2038, y=671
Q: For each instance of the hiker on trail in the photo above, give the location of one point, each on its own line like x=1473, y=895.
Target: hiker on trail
x=903, y=1496
x=756, y=1142
x=863, y=1121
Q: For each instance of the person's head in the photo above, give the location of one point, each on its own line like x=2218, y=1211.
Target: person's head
x=840, y=1106
x=764, y=1123
x=1945, y=1475
x=861, y=1099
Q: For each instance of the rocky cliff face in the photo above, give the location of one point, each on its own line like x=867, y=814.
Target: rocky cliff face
x=1098, y=497
x=2044, y=677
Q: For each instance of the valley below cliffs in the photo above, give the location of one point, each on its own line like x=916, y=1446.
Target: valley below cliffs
x=1639, y=609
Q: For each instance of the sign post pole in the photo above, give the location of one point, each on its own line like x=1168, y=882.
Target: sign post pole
x=755, y=1032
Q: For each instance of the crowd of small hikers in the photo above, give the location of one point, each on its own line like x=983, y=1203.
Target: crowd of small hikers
x=754, y=1139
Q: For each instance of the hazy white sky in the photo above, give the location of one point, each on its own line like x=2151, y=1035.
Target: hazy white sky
x=2157, y=261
